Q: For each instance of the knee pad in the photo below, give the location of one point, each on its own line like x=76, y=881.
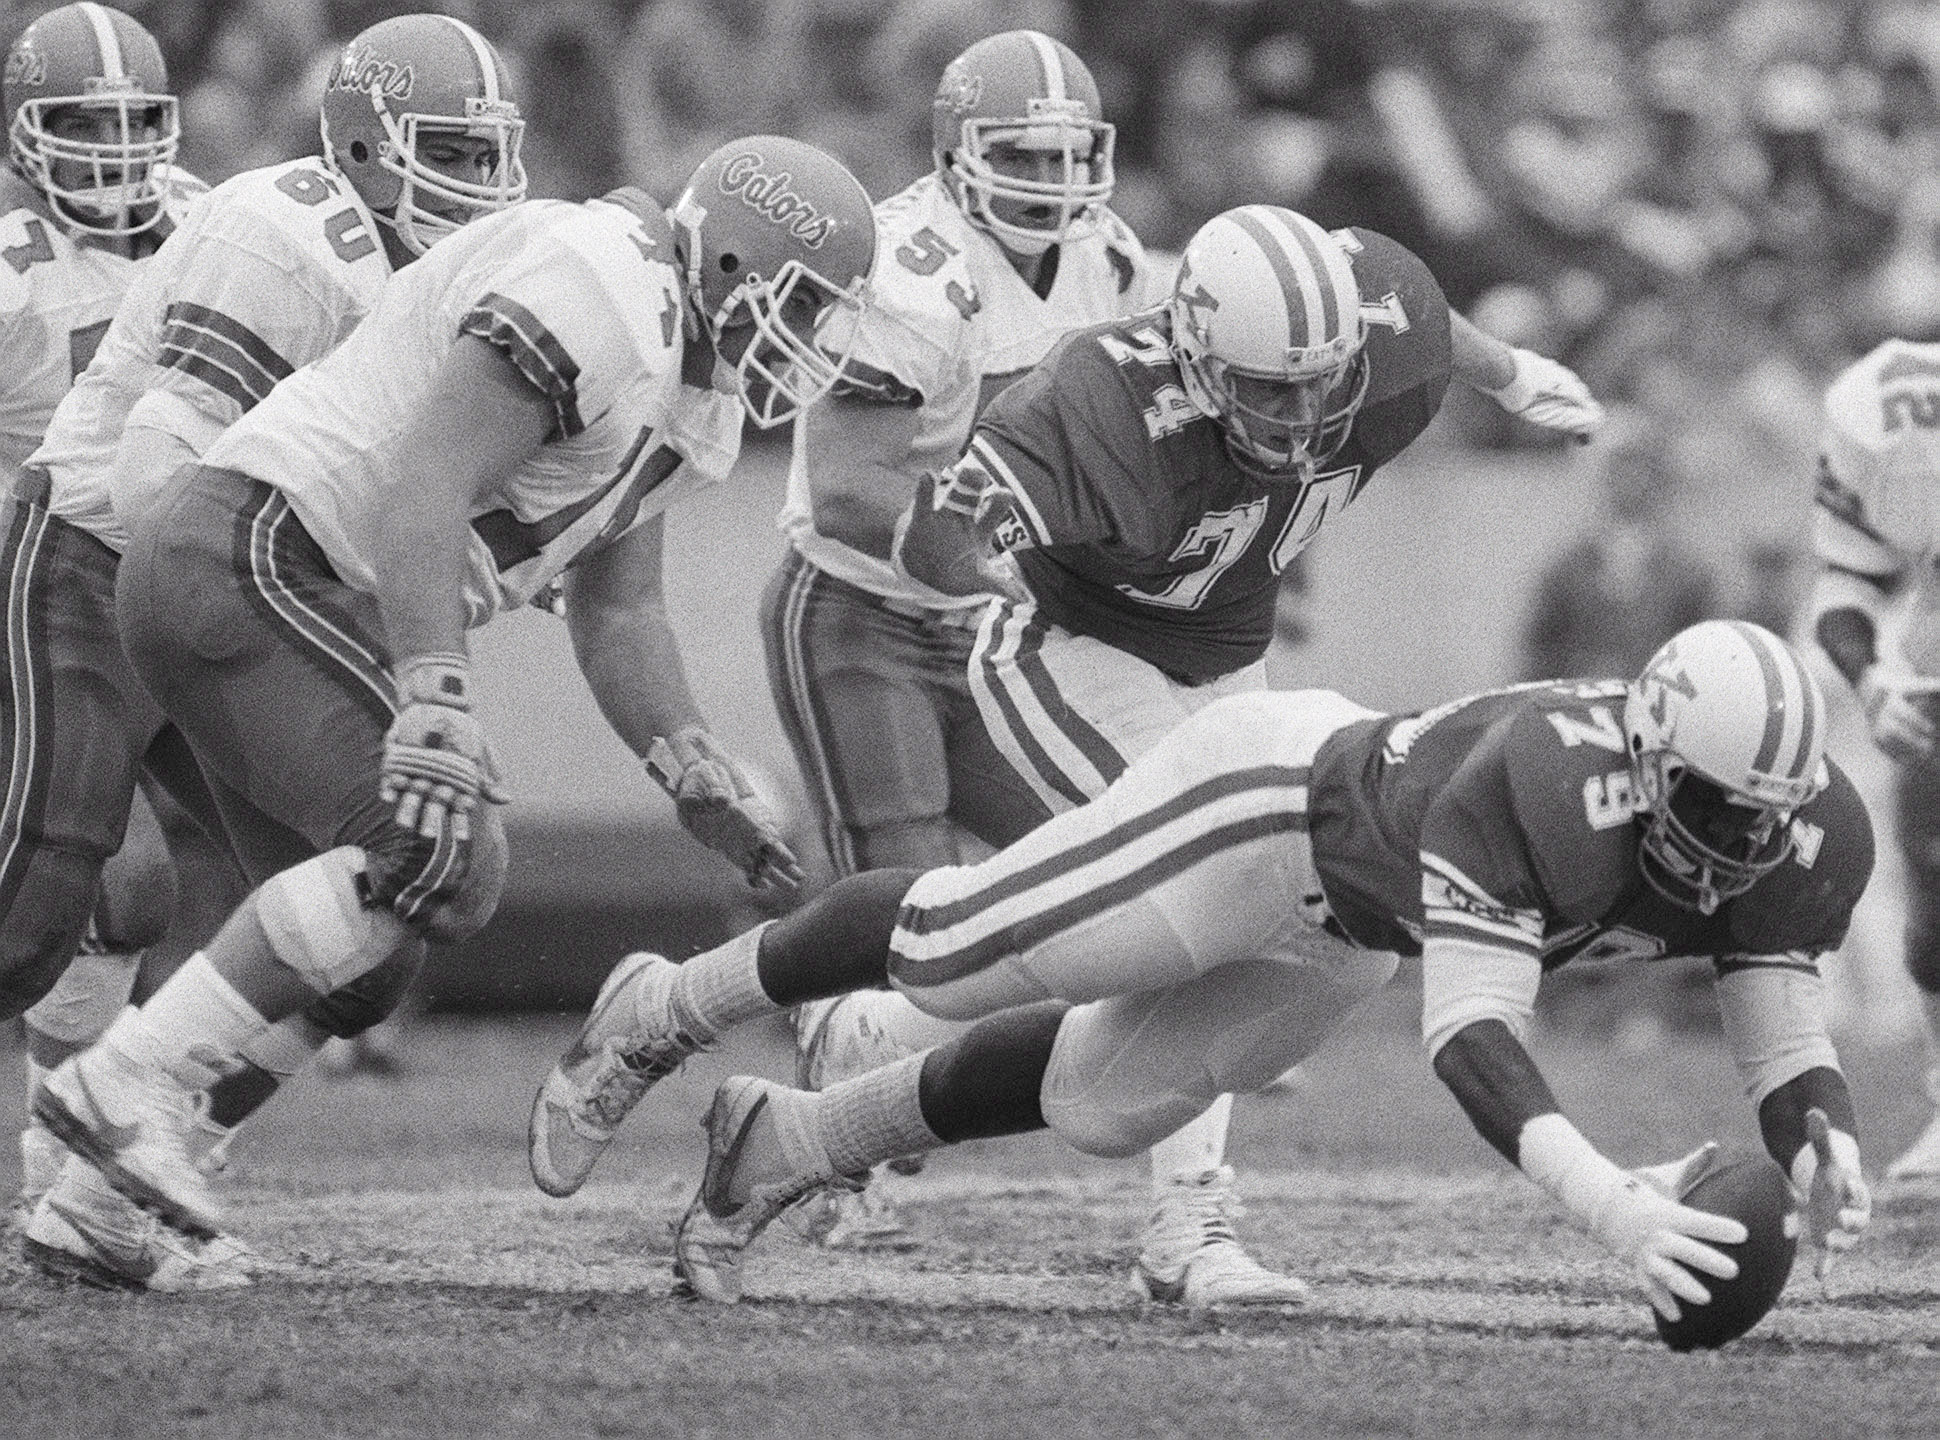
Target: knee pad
x=320, y=922
x=350, y=1010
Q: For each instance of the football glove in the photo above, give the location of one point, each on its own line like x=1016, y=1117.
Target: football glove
x=1547, y=393
x=1897, y=704
x=1675, y=1177
x=719, y=808
x=437, y=766
x=1830, y=1190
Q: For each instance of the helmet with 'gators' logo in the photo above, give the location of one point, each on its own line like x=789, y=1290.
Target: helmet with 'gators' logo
x=774, y=234
x=401, y=83
x=1267, y=326
x=1727, y=736
x=90, y=122
x=1018, y=137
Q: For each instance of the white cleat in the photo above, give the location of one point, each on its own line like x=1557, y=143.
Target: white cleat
x=41, y=1159
x=132, y=1122
x=1192, y=1258
x=85, y=1231
x=762, y=1156
x=612, y=1063
x=1919, y=1164
x=854, y=1220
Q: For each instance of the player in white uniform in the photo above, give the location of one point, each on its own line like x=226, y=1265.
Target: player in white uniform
x=521, y=405
x=1876, y=612
x=88, y=193
x=270, y=271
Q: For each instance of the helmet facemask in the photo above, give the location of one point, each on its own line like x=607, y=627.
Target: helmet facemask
x=1276, y=424
x=432, y=204
x=126, y=179
x=804, y=329
x=1060, y=129
x=1702, y=843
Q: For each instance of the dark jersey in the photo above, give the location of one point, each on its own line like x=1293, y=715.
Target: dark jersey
x=1135, y=526
x=1507, y=818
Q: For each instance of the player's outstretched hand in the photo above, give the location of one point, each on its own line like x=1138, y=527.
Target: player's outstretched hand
x=437, y=766
x=1664, y=1242
x=1830, y=1189
x=719, y=808
x=1548, y=393
x=1899, y=713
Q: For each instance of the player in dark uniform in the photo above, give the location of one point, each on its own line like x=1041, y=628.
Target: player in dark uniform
x=1210, y=919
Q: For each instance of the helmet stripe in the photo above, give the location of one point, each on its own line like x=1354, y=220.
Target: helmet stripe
x=1050, y=62
x=1791, y=706
x=482, y=52
x=106, y=40
x=1297, y=267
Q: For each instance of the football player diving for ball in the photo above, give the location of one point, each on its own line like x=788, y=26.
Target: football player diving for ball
x=1212, y=916
x=270, y=271
x=986, y=263
x=521, y=404
x=1876, y=608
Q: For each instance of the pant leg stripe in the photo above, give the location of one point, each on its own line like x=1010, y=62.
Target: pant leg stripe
x=27, y=545
x=797, y=607
x=998, y=637
x=1082, y=736
x=1020, y=935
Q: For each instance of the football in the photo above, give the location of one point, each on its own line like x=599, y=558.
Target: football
x=1750, y=1188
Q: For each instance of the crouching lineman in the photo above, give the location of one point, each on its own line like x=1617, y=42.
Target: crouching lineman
x=270, y=271
x=521, y=404
x=1209, y=920
x=1877, y=615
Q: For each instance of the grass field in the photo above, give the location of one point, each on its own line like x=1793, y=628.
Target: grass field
x=425, y=1288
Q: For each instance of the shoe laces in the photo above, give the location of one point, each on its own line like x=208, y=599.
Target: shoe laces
x=1201, y=1210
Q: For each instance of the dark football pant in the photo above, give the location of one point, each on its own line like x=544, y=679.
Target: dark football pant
x=1919, y=836
x=875, y=699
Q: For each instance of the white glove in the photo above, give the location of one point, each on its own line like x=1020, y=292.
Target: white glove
x=1830, y=1190
x=1897, y=703
x=719, y=808
x=437, y=766
x=1676, y=1177
x=1661, y=1240
x=1548, y=393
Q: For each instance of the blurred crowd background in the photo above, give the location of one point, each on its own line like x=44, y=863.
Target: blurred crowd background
x=1706, y=207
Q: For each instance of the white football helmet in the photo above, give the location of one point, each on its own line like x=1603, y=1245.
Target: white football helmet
x=1268, y=331
x=1031, y=94
x=1727, y=735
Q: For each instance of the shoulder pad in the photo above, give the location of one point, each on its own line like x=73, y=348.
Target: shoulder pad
x=651, y=214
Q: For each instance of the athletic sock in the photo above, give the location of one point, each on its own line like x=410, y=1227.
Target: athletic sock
x=875, y=1117
x=190, y=1027
x=1195, y=1147
x=720, y=989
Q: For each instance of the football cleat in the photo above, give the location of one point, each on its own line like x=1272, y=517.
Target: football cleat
x=762, y=1157
x=84, y=1231
x=41, y=1158
x=857, y=1220
x=1191, y=1256
x=614, y=1060
x=132, y=1121
x=1919, y=1163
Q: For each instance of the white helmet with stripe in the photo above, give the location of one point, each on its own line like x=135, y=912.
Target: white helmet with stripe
x=1267, y=326
x=1727, y=734
x=109, y=174
x=1018, y=137
x=403, y=80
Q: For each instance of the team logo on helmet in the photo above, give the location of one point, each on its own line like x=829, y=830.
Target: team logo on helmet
x=958, y=91
x=767, y=193
x=26, y=66
x=360, y=69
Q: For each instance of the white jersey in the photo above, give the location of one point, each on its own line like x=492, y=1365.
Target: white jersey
x=272, y=270
x=1878, y=511
x=585, y=300
x=58, y=293
x=949, y=323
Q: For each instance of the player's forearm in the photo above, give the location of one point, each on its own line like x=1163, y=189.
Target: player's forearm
x=1476, y=357
x=632, y=664
x=1781, y=1117
x=420, y=563
x=862, y=511
x=1496, y=1083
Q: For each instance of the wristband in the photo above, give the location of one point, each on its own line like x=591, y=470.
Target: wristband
x=436, y=680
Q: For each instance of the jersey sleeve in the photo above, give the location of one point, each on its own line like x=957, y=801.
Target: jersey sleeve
x=1049, y=445
x=1408, y=349
x=1478, y=878
x=587, y=314
x=1848, y=532
x=246, y=305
